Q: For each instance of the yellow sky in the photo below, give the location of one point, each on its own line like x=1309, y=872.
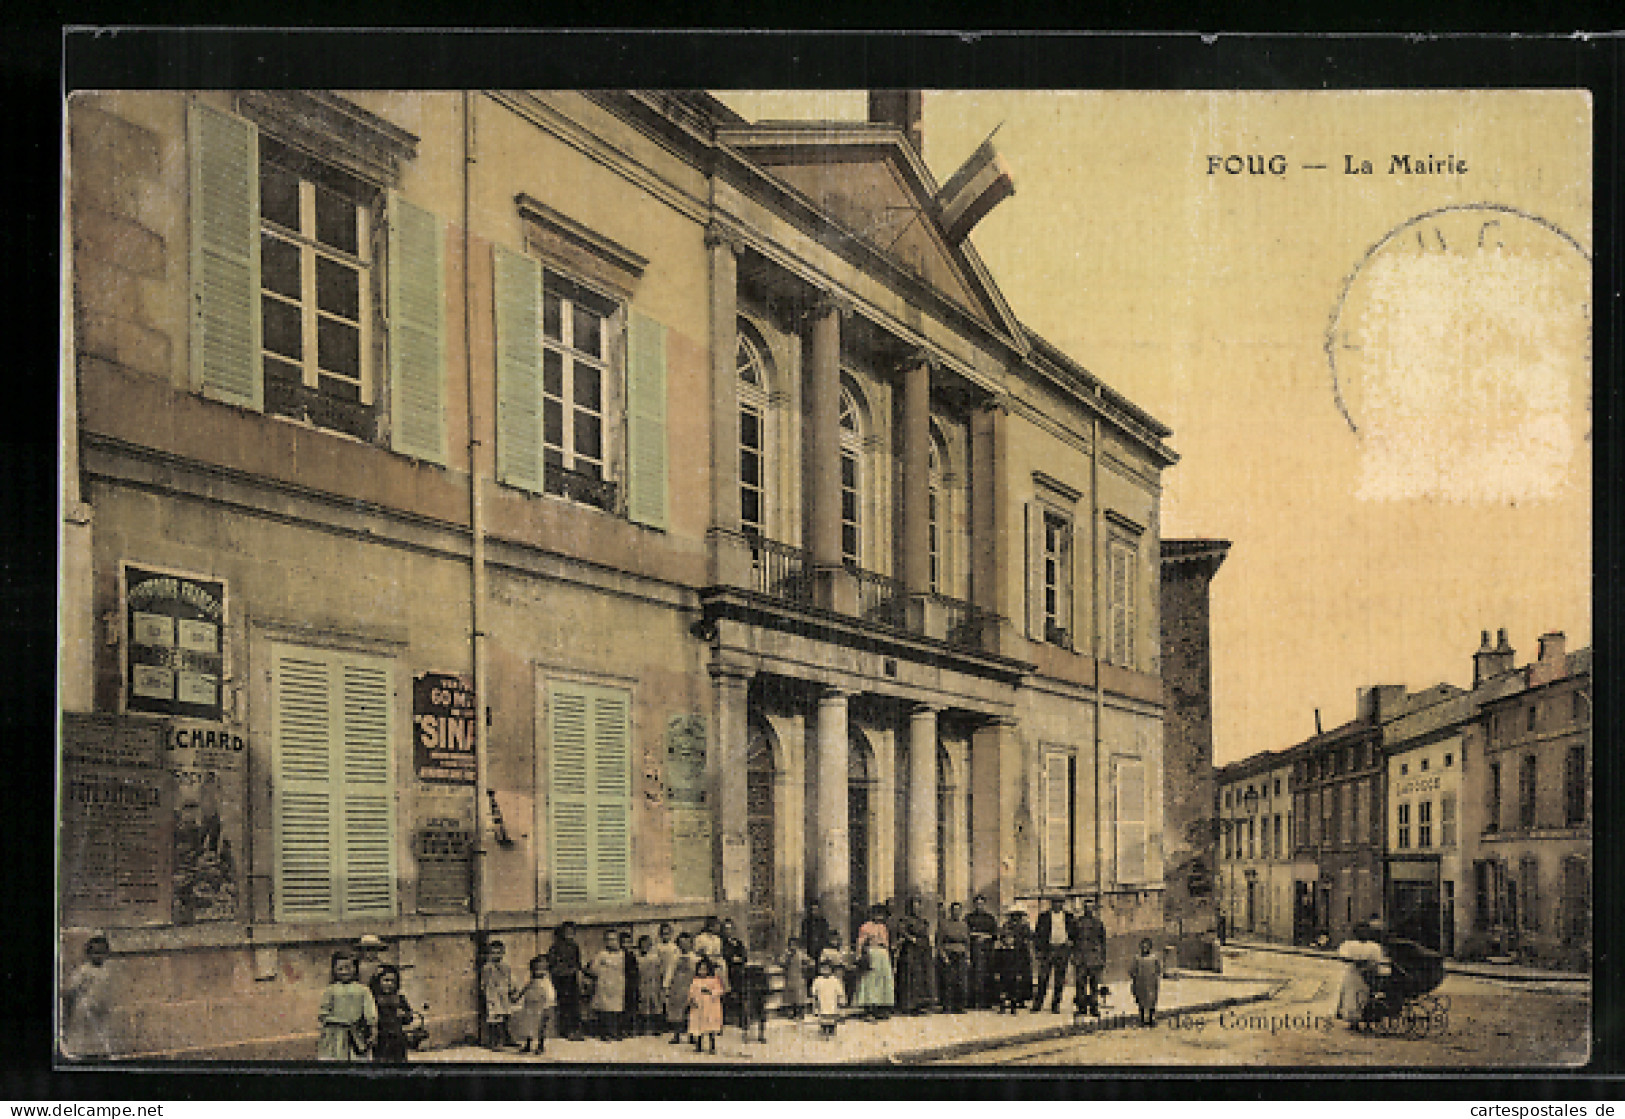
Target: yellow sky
x=1458, y=306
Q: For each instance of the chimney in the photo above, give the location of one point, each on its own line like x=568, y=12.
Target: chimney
x=1553, y=663
x=1371, y=704
x=903, y=109
x=1551, y=647
x=1489, y=663
x=1483, y=658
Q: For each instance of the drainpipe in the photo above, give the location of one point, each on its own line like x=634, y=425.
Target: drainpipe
x=1094, y=614
x=476, y=518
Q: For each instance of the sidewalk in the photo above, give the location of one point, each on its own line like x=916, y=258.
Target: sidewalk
x=897, y=1040
x=1508, y=972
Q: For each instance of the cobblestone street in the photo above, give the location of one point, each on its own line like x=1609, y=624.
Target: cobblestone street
x=1491, y=1022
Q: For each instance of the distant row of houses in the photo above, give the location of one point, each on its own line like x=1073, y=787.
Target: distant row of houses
x=1461, y=817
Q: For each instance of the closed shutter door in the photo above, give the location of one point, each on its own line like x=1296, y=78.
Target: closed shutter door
x=334, y=795
x=1057, y=822
x=1130, y=821
x=369, y=868
x=518, y=295
x=568, y=801
x=416, y=332
x=304, y=794
x=646, y=421
x=225, y=258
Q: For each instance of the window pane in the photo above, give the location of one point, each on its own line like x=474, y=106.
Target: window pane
x=341, y=389
x=849, y=472
x=589, y=436
x=338, y=347
x=551, y=312
x=849, y=506
x=587, y=388
x=279, y=266
x=338, y=288
x=588, y=337
x=284, y=392
x=750, y=507
x=335, y=220
x=750, y=468
x=552, y=373
x=279, y=323
x=849, y=541
x=750, y=428
x=553, y=423
x=279, y=195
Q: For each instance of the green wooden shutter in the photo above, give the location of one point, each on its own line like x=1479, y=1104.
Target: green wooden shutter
x=225, y=258
x=568, y=799
x=590, y=794
x=304, y=772
x=1131, y=831
x=646, y=421
x=1057, y=821
x=367, y=843
x=417, y=337
x=517, y=280
x=612, y=796
x=1035, y=571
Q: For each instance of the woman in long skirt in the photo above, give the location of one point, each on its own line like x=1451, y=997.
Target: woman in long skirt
x=876, y=991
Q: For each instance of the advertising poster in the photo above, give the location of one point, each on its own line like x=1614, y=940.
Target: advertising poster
x=175, y=652
x=443, y=715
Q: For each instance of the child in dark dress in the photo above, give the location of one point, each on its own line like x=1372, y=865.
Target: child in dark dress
x=394, y=1016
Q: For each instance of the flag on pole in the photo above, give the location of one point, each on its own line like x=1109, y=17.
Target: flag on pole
x=978, y=186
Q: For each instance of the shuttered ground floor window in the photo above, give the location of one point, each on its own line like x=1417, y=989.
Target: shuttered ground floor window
x=1130, y=796
x=590, y=792
x=333, y=801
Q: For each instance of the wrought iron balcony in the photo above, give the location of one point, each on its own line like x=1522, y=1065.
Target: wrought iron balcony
x=966, y=622
x=780, y=571
x=881, y=598
x=577, y=486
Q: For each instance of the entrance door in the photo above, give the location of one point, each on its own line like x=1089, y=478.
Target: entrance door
x=1303, y=913
x=858, y=787
x=1415, y=915
x=1252, y=903
x=759, y=828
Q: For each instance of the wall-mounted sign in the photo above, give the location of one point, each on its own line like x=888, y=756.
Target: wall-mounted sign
x=443, y=713
x=152, y=820
x=174, y=643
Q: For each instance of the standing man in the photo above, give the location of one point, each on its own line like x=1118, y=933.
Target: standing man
x=564, y=966
x=953, y=947
x=734, y=956
x=1052, y=946
x=815, y=931
x=1089, y=958
x=984, y=930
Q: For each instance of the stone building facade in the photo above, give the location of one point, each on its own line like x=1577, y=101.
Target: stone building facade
x=1258, y=866
x=485, y=510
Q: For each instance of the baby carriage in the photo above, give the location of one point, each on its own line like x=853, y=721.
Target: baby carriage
x=1402, y=1001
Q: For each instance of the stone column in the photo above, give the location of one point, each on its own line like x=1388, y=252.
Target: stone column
x=922, y=804
x=834, y=853
x=823, y=397
x=989, y=549
x=724, y=310
x=914, y=547
x=731, y=699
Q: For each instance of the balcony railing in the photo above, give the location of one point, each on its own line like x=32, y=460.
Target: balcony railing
x=966, y=622
x=780, y=571
x=578, y=486
x=881, y=598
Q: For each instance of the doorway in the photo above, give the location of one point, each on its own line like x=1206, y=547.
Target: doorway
x=760, y=782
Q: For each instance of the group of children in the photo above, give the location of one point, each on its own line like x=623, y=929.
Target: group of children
x=368, y=1020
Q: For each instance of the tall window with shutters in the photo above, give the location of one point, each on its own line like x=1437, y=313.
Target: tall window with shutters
x=333, y=792
x=589, y=792
x=572, y=364
x=751, y=365
x=853, y=480
x=1060, y=817
x=1129, y=803
x=295, y=261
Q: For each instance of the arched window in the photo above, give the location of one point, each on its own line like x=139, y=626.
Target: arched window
x=851, y=480
x=750, y=360
x=937, y=512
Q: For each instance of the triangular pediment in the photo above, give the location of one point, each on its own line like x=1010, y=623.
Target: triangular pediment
x=870, y=183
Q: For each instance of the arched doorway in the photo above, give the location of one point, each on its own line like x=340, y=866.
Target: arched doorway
x=760, y=780
x=860, y=771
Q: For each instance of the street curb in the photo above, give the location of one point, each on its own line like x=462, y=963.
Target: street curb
x=1454, y=967
x=1115, y=1022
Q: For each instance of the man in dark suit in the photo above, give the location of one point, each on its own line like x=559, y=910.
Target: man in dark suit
x=1052, y=948
x=1089, y=959
x=815, y=930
